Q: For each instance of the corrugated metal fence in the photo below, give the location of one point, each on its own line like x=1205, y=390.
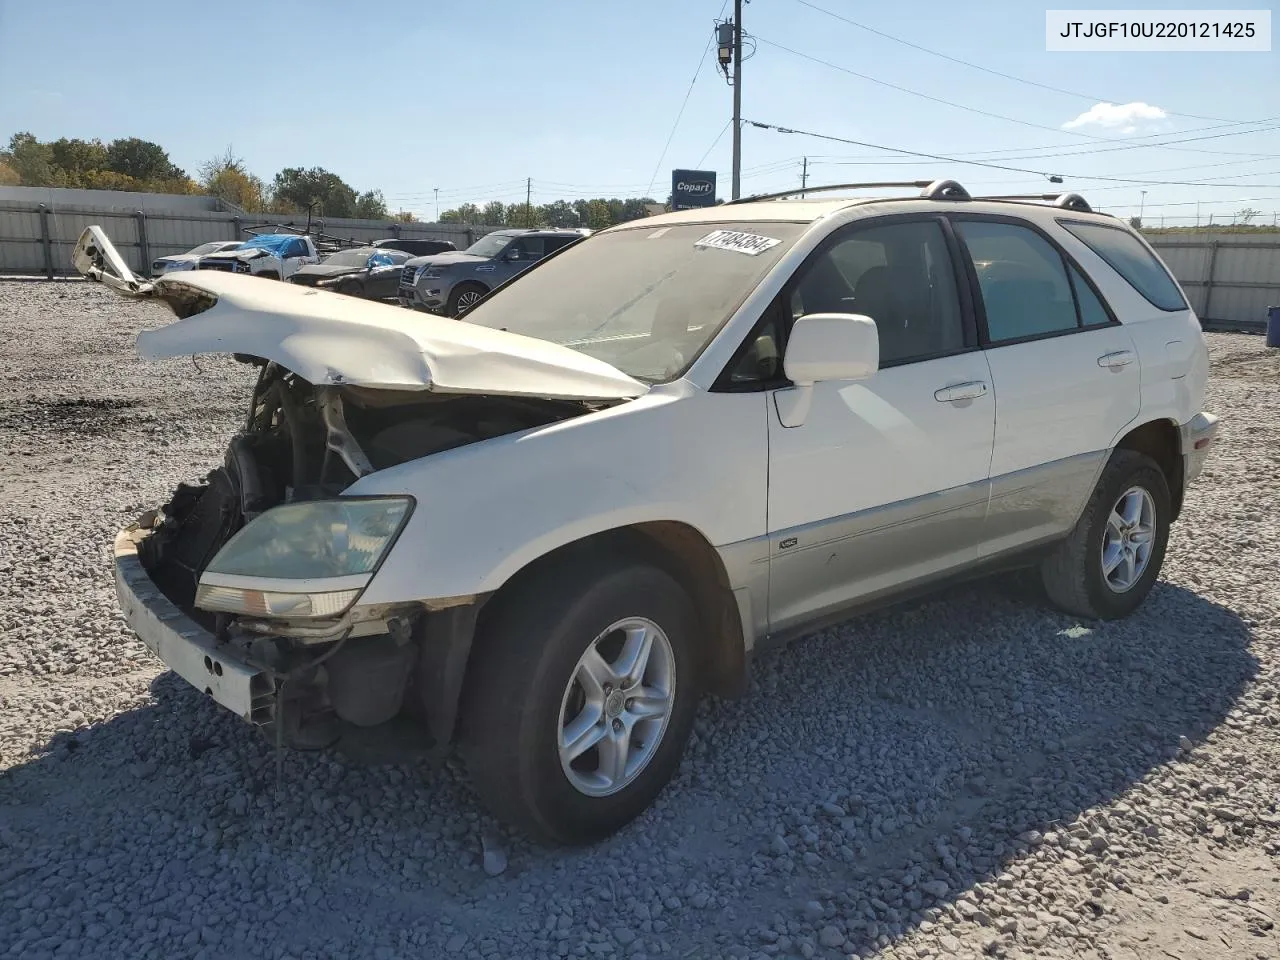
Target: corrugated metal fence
x=39, y=227
x=1229, y=277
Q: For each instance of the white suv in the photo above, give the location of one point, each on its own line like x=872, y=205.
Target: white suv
x=546, y=530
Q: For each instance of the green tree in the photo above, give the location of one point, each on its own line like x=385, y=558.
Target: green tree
x=1247, y=214
x=141, y=160
x=598, y=214
x=75, y=159
x=226, y=178
x=494, y=214
x=294, y=189
x=559, y=214
x=404, y=216
x=8, y=176
x=522, y=215
x=466, y=213
x=1135, y=222
x=30, y=159
x=370, y=205
x=634, y=208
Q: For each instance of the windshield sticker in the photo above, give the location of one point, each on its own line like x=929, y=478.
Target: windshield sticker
x=752, y=244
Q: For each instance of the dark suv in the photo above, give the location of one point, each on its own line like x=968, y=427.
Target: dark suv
x=451, y=283
x=416, y=247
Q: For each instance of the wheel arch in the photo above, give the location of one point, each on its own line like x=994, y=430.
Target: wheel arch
x=677, y=548
x=1160, y=440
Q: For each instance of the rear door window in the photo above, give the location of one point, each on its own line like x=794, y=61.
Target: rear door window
x=1130, y=258
x=1022, y=278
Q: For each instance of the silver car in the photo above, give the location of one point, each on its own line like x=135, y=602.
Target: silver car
x=452, y=283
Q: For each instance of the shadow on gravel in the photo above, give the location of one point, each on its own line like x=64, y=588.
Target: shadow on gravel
x=880, y=768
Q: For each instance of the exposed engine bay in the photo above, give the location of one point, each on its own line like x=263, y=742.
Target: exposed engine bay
x=302, y=442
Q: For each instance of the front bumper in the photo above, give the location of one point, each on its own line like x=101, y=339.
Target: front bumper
x=1198, y=434
x=182, y=645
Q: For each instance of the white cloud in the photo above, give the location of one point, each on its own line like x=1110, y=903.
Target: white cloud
x=1121, y=117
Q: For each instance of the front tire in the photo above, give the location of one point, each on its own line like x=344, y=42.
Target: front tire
x=582, y=699
x=1109, y=564
x=463, y=297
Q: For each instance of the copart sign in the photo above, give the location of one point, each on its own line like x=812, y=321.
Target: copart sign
x=692, y=188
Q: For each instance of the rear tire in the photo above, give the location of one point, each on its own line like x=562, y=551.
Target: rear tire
x=463, y=297
x=1109, y=563
x=350, y=288
x=536, y=695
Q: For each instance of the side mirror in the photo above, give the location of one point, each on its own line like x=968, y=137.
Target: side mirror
x=822, y=347
x=831, y=346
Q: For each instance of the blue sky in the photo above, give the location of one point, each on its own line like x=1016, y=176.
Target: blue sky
x=581, y=96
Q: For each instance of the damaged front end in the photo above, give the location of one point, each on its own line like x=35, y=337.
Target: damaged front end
x=248, y=584
x=270, y=559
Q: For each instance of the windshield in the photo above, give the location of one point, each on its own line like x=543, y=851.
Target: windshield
x=348, y=258
x=489, y=246
x=646, y=300
x=207, y=248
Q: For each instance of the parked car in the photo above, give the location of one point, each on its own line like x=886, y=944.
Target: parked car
x=416, y=247
x=275, y=256
x=191, y=259
x=671, y=446
x=370, y=272
x=452, y=283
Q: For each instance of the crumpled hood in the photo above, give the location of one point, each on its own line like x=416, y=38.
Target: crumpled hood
x=329, y=339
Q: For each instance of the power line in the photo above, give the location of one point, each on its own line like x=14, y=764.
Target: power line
x=714, y=142
x=988, y=113
x=702, y=58
x=994, y=73
x=997, y=166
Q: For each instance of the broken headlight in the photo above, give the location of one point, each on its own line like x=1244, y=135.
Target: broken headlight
x=309, y=559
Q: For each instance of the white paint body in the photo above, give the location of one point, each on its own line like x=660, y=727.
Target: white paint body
x=729, y=464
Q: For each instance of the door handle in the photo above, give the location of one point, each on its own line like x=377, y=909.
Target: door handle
x=1121, y=358
x=961, y=391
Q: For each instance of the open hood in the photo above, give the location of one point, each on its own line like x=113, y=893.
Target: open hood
x=330, y=340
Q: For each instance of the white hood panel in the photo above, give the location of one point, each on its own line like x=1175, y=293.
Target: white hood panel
x=330, y=339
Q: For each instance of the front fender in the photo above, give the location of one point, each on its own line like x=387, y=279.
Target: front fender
x=487, y=510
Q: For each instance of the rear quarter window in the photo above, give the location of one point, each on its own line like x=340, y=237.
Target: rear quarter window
x=1130, y=258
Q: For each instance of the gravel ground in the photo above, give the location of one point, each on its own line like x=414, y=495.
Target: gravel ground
x=973, y=775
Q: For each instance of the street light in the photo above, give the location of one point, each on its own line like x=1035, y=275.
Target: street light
x=1142, y=205
x=437, y=190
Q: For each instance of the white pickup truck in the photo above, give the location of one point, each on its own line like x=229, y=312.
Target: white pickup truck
x=275, y=256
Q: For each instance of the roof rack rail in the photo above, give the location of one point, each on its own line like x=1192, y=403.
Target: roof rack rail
x=834, y=186
x=945, y=190
x=1068, y=201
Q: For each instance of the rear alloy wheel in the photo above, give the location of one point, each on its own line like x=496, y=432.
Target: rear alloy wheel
x=1109, y=563
x=350, y=288
x=580, y=698
x=464, y=297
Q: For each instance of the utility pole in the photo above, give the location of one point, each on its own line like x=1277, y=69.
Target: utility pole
x=528, y=201
x=1197, y=213
x=1142, y=205
x=737, y=98
x=437, y=190
x=804, y=175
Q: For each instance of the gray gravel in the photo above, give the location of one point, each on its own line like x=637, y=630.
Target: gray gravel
x=970, y=776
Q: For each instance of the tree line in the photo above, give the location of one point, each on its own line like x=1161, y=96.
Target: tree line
x=129, y=163
x=595, y=214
